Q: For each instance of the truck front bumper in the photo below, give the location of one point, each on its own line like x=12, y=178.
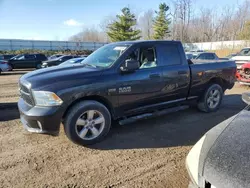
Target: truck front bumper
x=40, y=119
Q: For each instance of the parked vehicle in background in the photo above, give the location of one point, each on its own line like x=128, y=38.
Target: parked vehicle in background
x=27, y=61
x=84, y=56
x=221, y=157
x=243, y=74
x=72, y=61
x=120, y=81
x=231, y=55
x=4, y=66
x=207, y=56
x=196, y=51
x=57, y=61
x=55, y=56
x=189, y=55
x=6, y=57
x=242, y=57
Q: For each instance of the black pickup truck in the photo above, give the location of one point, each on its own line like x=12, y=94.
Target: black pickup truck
x=121, y=81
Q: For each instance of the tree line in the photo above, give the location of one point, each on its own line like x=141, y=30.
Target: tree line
x=178, y=21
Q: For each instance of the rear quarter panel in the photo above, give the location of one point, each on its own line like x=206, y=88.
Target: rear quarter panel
x=204, y=71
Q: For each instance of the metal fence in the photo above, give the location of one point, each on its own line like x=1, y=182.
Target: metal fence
x=237, y=44
x=15, y=44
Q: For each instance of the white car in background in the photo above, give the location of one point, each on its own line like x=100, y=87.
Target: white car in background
x=242, y=57
x=4, y=66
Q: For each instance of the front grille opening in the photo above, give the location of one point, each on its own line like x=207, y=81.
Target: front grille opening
x=25, y=94
x=24, y=88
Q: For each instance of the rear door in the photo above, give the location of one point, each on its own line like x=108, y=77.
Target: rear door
x=175, y=72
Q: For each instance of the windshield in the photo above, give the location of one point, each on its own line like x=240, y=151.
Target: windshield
x=54, y=56
x=17, y=57
x=245, y=52
x=105, y=56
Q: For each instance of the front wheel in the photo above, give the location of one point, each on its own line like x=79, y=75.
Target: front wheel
x=211, y=99
x=87, y=122
x=11, y=67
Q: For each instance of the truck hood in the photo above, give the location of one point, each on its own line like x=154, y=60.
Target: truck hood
x=227, y=161
x=65, y=76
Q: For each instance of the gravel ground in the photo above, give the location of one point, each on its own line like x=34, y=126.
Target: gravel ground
x=148, y=153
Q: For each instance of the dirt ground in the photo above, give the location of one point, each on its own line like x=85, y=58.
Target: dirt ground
x=148, y=153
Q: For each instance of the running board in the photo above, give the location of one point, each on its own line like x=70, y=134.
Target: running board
x=151, y=115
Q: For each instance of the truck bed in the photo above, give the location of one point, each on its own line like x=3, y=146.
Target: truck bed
x=203, y=70
x=198, y=61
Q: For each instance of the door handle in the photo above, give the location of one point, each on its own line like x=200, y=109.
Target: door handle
x=182, y=72
x=154, y=76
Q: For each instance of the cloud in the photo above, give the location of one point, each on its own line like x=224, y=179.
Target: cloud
x=72, y=22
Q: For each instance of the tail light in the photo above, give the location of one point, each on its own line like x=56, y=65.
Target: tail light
x=3, y=62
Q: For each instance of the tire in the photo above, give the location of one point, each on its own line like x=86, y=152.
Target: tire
x=204, y=104
x=39, y=66
x=12, y=67
x=87, y=126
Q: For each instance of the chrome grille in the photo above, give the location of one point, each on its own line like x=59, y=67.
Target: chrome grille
x=24, y=88
x=25, y=94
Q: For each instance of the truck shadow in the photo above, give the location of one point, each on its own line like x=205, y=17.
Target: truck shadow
x=8, y=111
x=16, y=72
x=183, y=128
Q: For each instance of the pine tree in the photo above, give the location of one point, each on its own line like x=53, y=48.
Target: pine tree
x=161, y=22
x=123, y=29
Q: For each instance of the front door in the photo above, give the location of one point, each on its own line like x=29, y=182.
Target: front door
x=144, y=86
x=24, y=61
x=29, y=61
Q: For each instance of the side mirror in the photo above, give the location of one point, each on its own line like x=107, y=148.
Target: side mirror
x=130, y=66
x=246, y=98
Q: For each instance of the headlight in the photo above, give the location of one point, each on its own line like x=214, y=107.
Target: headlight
x=192, y=160
x=46, y=98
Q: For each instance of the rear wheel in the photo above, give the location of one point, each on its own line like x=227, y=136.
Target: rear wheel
x=87, y=122
x=211, y=99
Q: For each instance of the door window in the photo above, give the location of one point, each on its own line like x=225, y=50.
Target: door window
x=171, y=55
x=148, y=58
x=29, y=57
x=145, y=56
x=66, y=58
x=210, y=56
x=21, y=57
x=245, y=52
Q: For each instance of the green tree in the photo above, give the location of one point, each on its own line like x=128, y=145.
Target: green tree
x=123, y=28
x=161, y=22
x=245, y=33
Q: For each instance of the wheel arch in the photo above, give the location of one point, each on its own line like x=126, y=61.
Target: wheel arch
x=97, y=98
x=220, y=81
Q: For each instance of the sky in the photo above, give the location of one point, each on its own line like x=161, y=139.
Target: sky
x=60, y=19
